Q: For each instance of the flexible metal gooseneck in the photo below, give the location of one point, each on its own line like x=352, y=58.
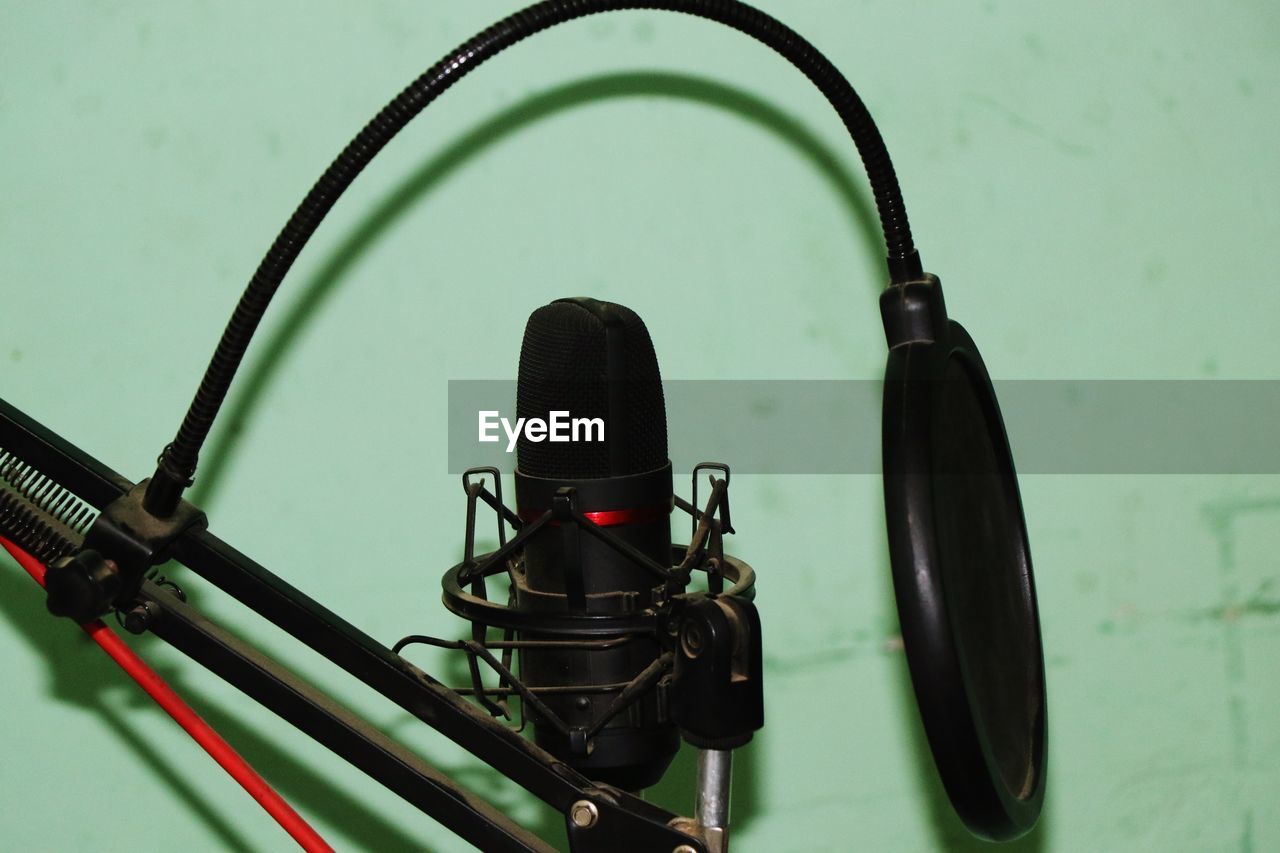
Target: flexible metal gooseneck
x=177, y=463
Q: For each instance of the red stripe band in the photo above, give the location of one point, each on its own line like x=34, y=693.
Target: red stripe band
x=613, y=517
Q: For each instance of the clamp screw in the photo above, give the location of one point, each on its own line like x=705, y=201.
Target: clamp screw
x=583, y=813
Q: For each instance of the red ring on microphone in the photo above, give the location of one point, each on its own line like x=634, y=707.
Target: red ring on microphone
x=612, y=517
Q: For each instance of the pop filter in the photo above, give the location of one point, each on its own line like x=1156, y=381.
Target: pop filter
x=962, y=567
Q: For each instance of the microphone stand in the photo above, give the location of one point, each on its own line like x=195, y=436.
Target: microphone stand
x=598, y=817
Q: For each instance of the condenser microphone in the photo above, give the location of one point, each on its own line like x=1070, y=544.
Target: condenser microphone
x=590, y=367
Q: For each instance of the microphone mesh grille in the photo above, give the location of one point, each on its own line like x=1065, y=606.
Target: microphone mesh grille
x=565, y=366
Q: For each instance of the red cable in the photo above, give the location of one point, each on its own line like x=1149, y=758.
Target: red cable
x=219, y=750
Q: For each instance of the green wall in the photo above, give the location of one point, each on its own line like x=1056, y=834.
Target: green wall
x=1095, y=182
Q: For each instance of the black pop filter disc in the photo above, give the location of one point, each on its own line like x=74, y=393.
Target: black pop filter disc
x=962, y=567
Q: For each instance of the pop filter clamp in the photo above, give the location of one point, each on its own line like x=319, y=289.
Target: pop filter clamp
x=958, y=545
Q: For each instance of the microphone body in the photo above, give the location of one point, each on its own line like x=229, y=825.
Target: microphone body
x=595, y=360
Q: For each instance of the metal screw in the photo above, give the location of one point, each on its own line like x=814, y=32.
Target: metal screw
x=684, y=848
x=583, y=813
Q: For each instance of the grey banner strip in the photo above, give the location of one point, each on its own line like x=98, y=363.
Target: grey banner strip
x=833, y=427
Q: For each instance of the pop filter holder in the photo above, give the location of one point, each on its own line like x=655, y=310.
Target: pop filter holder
x=957, y=538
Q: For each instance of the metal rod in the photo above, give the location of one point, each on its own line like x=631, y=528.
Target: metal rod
x=711, y=809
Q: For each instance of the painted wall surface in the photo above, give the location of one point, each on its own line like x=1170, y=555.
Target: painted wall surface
x=1095, y=182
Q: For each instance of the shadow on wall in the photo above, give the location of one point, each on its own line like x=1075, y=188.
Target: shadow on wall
x=260, y=373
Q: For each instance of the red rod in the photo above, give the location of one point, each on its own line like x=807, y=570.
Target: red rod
x=219, y=750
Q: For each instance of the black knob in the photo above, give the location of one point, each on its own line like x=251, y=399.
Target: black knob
x=82, y=587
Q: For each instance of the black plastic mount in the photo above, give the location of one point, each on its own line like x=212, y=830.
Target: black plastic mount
x=91, y=583
x=913, y=311
x=713, y=638
x=717, y=698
